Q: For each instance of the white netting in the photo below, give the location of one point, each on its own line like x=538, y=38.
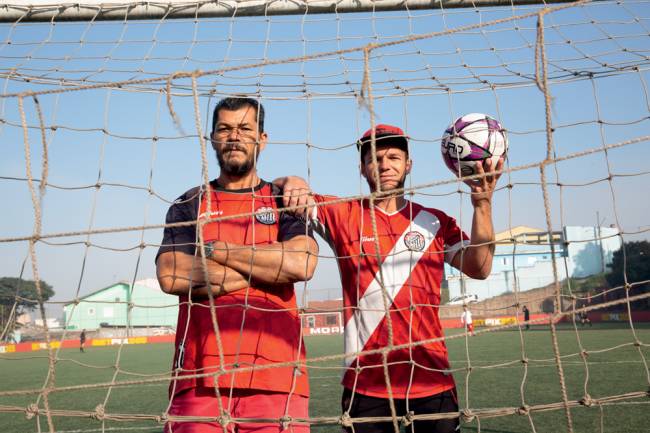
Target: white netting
x=103, y=125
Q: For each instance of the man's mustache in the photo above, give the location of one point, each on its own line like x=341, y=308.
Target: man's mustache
x=234, y=146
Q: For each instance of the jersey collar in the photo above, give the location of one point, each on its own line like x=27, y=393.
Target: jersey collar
x=216, y=187
x=406, y=203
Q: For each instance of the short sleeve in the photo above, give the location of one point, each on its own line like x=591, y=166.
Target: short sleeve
x=326, y=216
x=292, y=226
x=455, y=239
x=182, y=238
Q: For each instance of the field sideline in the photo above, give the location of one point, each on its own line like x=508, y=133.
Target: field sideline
x=495, y=381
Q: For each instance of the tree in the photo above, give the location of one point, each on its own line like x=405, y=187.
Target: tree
x=635, y=264
x=22, y=294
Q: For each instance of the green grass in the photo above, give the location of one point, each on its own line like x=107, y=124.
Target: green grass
x=611, y=372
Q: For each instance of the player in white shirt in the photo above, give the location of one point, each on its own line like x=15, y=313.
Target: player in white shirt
x=466, y=320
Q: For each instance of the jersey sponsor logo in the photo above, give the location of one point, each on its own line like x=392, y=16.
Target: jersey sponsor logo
x=414, y=241
x=367, y=238
x=212, y=214
x=266, y=215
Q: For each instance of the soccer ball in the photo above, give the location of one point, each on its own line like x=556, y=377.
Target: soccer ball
x=470, y=140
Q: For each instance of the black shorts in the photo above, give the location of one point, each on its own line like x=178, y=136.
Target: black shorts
x=365, y=406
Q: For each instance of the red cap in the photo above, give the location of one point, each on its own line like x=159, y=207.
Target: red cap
x=384, y=132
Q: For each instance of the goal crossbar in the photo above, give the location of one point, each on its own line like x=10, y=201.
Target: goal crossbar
x=100, y=10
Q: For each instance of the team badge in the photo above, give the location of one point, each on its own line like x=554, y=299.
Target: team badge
x=266, y=215
x=414, y=241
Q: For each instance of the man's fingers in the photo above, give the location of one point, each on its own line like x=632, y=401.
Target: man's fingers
x=480, y=170
x=296, y=193
x=473, y=185
x=499, y=167
x=488, y=170
x=303, y=200
x=292, y=198
x=297, y=198
x=286, y=197
x=301, y=197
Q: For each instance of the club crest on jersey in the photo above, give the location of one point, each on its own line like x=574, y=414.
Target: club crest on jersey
x=414, y=241
x=266, y=215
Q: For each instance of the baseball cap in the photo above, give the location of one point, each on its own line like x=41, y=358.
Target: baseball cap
x=385, y=133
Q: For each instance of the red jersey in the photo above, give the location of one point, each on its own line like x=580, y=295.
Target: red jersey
x=413, y=245
x=258, y=326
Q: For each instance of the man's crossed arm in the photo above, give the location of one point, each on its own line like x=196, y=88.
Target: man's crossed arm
x=232, y=267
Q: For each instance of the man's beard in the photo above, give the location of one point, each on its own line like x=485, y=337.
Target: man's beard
x=233, y=167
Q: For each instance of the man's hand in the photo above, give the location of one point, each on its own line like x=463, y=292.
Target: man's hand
x=296, y=192
x=483, y=188
x=476, y=261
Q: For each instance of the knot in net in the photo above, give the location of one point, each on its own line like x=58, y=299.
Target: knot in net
x=224, y=419
x=587, y=401
x=467, y=415
x=285, y=421
x=523, y=410
x=345, y=420
x=31, y=411
x=408, y=418
x=99, y=413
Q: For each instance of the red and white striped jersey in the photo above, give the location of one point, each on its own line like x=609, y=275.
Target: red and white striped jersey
x=406, y=256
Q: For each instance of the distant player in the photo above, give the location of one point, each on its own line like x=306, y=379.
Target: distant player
x=82, y=340
x=411, y=245
x=466, y=320
x=526, y=317
x=584, y=318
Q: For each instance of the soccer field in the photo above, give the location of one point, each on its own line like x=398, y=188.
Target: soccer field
x=495, y=381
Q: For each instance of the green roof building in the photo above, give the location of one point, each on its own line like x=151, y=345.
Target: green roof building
x=151, y=307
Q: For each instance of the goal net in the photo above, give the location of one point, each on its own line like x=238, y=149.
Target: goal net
x=105, y=119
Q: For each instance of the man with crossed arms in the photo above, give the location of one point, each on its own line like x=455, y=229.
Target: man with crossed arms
x=413, y=243
x=252, y=262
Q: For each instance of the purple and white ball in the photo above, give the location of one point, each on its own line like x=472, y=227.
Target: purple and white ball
x=470, y=140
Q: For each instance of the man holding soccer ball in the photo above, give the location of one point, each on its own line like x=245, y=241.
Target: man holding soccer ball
x=402, y=258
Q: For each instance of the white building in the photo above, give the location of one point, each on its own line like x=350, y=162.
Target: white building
x=523, y=259
x=52, y=323
x=122, y=304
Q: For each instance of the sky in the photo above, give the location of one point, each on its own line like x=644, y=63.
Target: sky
x=108, y=148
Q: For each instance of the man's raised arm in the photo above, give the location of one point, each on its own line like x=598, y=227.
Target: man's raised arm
x=476, y=261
